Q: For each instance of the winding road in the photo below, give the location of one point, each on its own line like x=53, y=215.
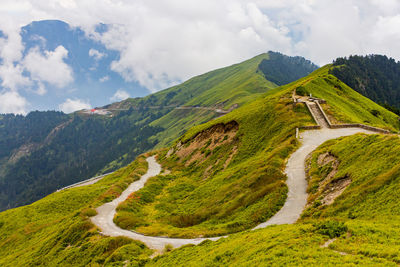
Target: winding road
x=290, y=212
x=106, y=213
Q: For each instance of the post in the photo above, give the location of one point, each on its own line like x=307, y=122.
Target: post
x=297, y=133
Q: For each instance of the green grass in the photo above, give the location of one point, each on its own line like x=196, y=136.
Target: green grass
x=365, y=218
x=344, y=104
x=287, y=245
x=371, y=195
x=56, y=230
x=369, y=205
x=188, y=203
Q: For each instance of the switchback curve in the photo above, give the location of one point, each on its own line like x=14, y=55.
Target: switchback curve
x=289, y=214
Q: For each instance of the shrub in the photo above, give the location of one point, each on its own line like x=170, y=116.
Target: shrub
x=168, y=247
x=375, y=112
x=330, y=228
x=301, y=91
x=89, y=212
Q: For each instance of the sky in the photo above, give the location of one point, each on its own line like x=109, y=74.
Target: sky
x=164, y=42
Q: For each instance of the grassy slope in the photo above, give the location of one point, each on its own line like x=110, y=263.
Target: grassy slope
x=286, y=245
x=346, y=105
x=187, y=204
x=233, y=84
x=236, y=84
x=56, y=229
x=250, y=190
x=41, y=234
x=370, y=203
x=367, y=197
x=369, y=209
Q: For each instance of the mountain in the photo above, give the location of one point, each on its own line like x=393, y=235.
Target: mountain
x=281, y=69
x=74, y=147
x=226, y=176
x=241, y=155
x=374, y=76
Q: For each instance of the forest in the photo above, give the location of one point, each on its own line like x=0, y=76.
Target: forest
x=374, y=76
x=82, y=146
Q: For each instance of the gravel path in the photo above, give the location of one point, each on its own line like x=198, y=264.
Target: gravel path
x=290, y=212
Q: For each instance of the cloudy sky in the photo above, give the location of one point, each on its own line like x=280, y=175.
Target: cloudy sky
x=163, y=42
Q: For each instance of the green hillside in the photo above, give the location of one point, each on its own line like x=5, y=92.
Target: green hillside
x=227, y=176
x=344, y=105
x=364, y=219
x=35, y=160
x=56, y=231
x=292, y=245
x=370, y=195
x=227, y=179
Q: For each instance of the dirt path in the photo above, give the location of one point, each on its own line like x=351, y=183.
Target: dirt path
x=295, y=171
x=106, y=213
x=290, y=212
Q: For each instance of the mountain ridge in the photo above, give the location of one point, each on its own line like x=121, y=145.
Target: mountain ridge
x=93, y=144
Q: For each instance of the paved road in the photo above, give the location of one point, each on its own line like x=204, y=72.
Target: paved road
x=290, y=212
x=295, y=171
x=85, y=182
x=106, y=213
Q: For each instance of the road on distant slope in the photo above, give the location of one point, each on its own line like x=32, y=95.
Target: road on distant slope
x=290, y=212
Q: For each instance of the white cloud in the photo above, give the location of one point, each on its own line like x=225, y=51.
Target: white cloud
x=49, y=67
x=12, y=102
x=41, y=89
x=163, y=49
x=119, y=95
x=97, y=55
x=71, y=105
x=11, y=76
x=164, y=42
x=11, y=71
x=104, y=79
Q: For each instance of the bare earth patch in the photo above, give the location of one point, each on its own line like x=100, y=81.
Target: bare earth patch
x=328, y=188
x=200, y=146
